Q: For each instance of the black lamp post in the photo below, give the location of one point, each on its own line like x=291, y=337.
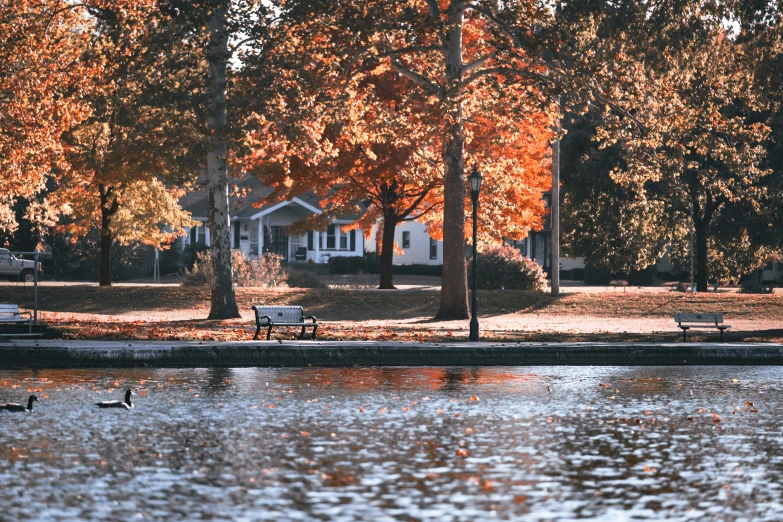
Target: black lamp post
x=475, y=187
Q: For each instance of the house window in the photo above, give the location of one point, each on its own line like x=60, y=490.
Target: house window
x=336, y=239
x=406, y=240
x=330, y=237
x=310, y=240
x=320, y=240
x=202, y=234
x=193, y=238
x=433, y=248
x=236, y=234
x=521, y=246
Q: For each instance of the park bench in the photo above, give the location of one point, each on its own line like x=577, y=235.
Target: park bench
x=687, y=321
x=270, y=316
x=614, y=283
x=10, y=314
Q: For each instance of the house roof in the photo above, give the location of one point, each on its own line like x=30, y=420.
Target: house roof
x=241, y=201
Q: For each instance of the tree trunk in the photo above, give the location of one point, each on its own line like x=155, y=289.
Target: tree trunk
x=107, y=211
x=224, y=303
x=454, y=292
x=104, y=270
x=387, y=253
x=701, y=228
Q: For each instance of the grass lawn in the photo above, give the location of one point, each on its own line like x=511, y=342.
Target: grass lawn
x=173, y=312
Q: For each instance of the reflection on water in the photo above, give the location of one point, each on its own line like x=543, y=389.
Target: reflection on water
x=395, y=444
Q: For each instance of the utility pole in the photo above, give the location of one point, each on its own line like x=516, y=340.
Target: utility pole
x=555, y=215
x=156, y=268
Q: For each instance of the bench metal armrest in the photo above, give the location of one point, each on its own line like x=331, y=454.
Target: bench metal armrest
x=268, y=320
x=309, y=317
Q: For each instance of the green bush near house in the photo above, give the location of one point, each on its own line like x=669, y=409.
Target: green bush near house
x=347, y=265
x=373, y=262
x=373, y=266
x=503, y=267
x=419, y=269
x=357, y=265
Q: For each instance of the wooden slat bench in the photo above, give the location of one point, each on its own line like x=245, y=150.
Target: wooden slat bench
x=270, y=316
x=10, y=314
x=700, y=320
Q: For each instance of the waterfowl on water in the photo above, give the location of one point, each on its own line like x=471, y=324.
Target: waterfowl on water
x=118, y=404
x=11, y=406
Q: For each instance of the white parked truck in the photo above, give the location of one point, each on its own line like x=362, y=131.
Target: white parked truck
x=16, y=269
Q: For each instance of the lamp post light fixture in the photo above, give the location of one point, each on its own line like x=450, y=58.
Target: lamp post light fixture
x=475, y=187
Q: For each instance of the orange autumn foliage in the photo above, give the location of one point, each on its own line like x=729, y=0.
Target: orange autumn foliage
x=365, y=136
x=39, y=65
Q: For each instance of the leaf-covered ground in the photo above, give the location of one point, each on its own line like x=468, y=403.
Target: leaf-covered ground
x=174, y=312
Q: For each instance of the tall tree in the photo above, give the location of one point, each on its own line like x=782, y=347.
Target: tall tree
x=361, y=151
x=686, y=152
x=138, y=131
x=221, y=29
x=223, y=301
x=700, y=150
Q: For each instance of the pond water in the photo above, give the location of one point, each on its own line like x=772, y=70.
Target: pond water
x=543, y=443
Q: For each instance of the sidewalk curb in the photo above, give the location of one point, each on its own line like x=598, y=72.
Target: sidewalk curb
x=119, y=354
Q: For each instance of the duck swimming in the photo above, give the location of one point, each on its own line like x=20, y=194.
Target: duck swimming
x=11, y=406
x=118, y=404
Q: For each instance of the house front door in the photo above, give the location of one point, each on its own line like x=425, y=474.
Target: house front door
x=296, y=242
x=253, y=243
x=276, y=241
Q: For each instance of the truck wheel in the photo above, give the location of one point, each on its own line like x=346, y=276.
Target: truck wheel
x=27, y=276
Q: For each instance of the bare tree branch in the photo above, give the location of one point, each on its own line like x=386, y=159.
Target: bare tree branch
x=596, y=93
x=495, y=20
x=410, y=49
x=507, y=71
x=415, y=77
x=477, y=63
x=424, y=213
x=434, y=8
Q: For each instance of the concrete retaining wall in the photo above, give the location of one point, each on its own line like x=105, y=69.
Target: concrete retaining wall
x=76, y=354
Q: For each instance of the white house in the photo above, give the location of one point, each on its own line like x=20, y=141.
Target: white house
x=266, y=228
x=416, y=244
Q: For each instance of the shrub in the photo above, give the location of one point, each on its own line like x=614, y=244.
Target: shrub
x=575, y=274
x=254, y=271
x=261, y=271
x=301, y=279
x=346, y=265
x=357, y=265
x=201, y=272
x=191, y=254
x=418, y=269
x=502, y=266
x=372, y=262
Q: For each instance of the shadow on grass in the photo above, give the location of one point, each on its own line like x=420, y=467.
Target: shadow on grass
x=372, y=304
